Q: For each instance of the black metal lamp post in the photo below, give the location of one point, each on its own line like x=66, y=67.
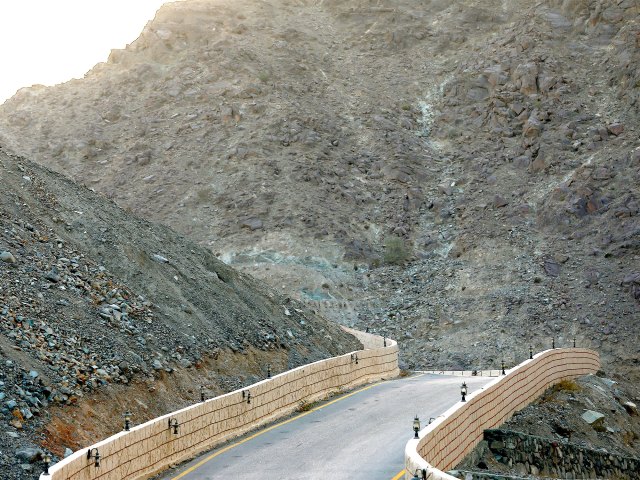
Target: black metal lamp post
x=502, y=365
x=269, y=370
x=553, y=342
x=127, y=420
x=463, y=391
x=420, y=474
x=173, y=423
x=416, y=426
x=95, y=454
x=530, y=352
x=202, y=395
x=574, y=343
x=47, y=462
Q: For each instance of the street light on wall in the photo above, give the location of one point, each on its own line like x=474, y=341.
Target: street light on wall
x=202, y=395
x=47, y=462
x=127, y=420
x=530, y=352
x=173, y=423
x=463, y=391
x=420, y=473
x=416, y=426
x=95, y=454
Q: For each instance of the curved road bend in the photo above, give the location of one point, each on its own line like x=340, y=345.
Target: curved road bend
x=360, y=435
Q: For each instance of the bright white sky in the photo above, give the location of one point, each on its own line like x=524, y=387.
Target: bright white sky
x=51, y=41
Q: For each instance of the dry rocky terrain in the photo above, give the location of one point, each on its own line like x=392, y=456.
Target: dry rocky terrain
x=462, y=176
x=102, y=312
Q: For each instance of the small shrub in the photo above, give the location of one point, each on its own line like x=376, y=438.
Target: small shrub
x=566, y=386
x=629, y=437
x=561, y=386
x=395, y=251
x=304, y=406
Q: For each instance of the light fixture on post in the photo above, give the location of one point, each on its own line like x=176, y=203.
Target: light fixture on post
x=268, y=370
x=47, y=462
x=420, y=474
x=530, y=352
x=202, y=396
x=384, y=341
x=574, y=342
x=463, y=391
x=95, y=454
x=502, y=365
x=173, y=423
x=553, y=342
x=127, y=420
x=416, y=426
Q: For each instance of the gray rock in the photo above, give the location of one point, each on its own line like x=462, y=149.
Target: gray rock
x=157, y=365
x=252, y=224
x=631, y=408
x=499, y=201
x=592, y=417
x=7, y=257
x=552, y=268
x=615, y=129
x=52, y=275
x=29, y=454
x=12, y=434
x=159, y=258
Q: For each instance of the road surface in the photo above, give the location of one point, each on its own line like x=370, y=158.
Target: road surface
x=360, y=435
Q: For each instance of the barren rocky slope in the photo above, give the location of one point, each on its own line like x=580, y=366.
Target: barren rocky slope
x=101, y=312
x=489, y=148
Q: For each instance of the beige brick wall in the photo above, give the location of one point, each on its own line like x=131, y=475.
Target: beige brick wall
x=445, y=442
x=152, y=447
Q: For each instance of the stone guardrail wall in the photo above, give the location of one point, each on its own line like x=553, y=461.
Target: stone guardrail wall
x=152, y=447
x=445, y=442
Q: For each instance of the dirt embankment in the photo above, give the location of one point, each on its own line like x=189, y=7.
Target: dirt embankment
x=102, y=312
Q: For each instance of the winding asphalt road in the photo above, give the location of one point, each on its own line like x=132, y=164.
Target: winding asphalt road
x=360, y=435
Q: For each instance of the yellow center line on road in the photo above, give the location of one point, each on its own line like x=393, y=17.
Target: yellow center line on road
x=257, y=434
x=399, y=475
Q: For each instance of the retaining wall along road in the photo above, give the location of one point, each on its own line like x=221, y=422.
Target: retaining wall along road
x=446, y=441
x=152, y=447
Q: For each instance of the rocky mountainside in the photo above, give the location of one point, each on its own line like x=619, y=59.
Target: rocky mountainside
x=102, y=312
x=460, y=175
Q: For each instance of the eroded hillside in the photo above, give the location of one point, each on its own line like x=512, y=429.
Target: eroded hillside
x=102, y=312
x=492, y=146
